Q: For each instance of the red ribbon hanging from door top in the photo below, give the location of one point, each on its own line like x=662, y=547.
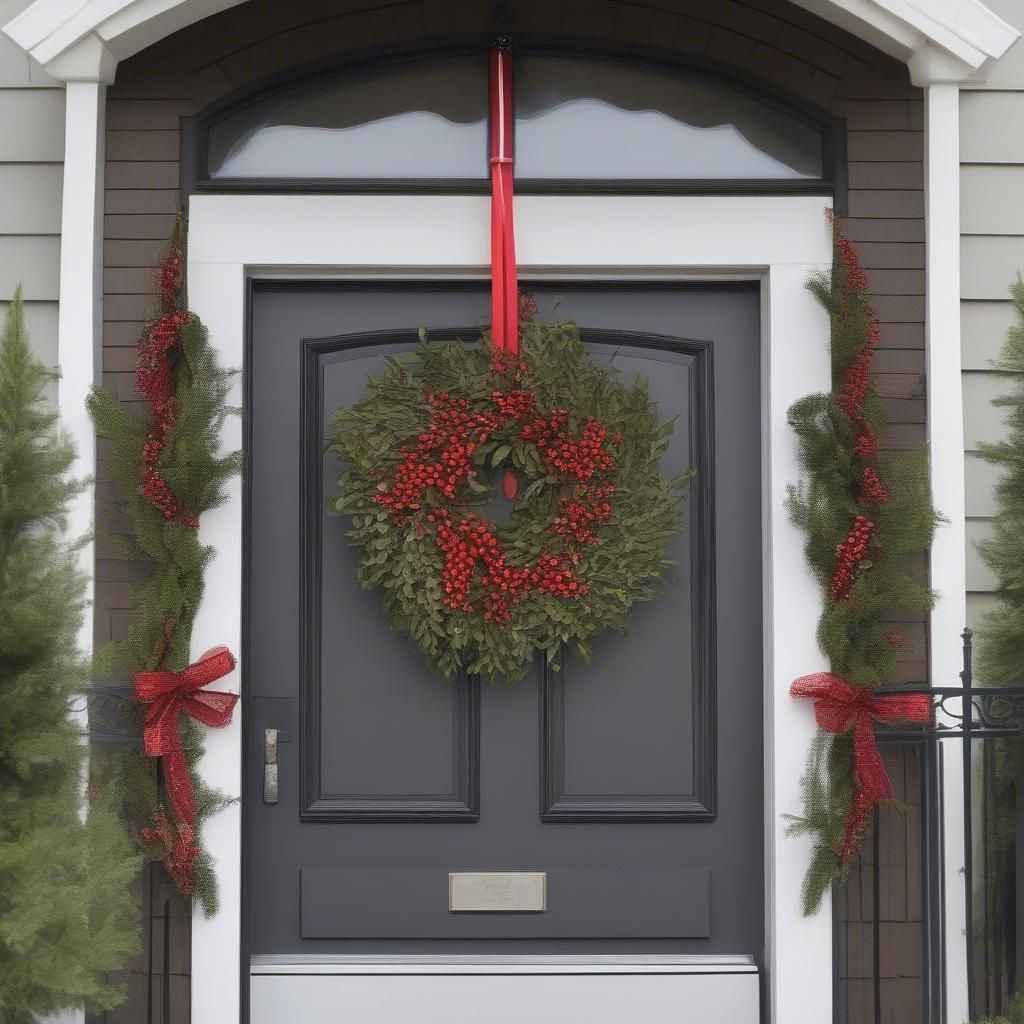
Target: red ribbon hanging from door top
x=504, y=289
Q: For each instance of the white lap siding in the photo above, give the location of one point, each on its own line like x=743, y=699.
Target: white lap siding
x=31, y=173
x=992, y=253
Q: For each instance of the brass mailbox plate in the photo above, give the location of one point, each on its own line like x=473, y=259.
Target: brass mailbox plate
x=489, y=892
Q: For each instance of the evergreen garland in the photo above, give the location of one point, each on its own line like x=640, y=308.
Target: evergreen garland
x=865, y=514
x=589, y=529
x=168, y=465
x=66, y=913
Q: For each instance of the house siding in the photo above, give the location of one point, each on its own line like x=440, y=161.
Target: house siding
x=31, y=181
x=991, y=256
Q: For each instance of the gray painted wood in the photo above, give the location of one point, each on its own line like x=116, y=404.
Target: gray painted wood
x=37, y=188
x=979, y=576
x=981, y=478
x=990, y=199
x=983, y=326
x=982, y=420
x=616, y=750
x=988, y=263
x=31, y=151
x=1008, y=71
x=992, y=253
x=32, y=125
x=992, y=127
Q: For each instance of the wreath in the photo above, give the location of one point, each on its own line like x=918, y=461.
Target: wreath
x=587, y=534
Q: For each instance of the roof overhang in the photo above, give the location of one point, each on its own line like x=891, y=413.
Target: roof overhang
x=941, y=40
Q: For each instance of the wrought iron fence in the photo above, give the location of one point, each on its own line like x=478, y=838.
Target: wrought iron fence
x=988, y=722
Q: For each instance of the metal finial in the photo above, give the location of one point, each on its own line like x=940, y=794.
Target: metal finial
x=502, y=39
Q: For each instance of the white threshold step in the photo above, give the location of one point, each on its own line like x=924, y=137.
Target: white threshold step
x=470, y=989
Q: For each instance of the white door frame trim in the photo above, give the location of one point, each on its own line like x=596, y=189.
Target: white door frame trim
x=777, y=241
x=965, y=31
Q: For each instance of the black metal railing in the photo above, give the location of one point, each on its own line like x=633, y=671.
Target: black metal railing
x=989, y=724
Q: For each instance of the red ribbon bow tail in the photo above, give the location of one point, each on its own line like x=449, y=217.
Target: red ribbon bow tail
x=180, y=794
x=168, y=694
x=837, y=707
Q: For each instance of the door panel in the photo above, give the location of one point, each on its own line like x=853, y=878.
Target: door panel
x=604, y=775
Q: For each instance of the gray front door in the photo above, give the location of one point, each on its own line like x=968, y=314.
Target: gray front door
x=634, y=783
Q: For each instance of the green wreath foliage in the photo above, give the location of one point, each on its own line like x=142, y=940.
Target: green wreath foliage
x=627, y=563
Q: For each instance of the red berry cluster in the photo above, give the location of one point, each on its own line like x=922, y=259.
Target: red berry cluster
x=178, y=846
x=154, y=380
x=569, y=457
x=853, y=389
x=854, y=386
x=169, y=278
x=508, y=364
x=517, y=404
x=854, y=279
x=872, y=490
x=503, y=585
x=578, y=516
x=849, y=555
x=154, y=487
x=441, y=458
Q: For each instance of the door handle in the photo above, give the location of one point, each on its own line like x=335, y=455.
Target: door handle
x=270, y=766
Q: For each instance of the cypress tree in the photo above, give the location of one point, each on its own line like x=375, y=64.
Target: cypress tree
x=66, y=913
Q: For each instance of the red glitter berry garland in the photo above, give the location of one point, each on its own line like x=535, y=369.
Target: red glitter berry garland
x=865, y=514
x=168, y=464
x=487, y=596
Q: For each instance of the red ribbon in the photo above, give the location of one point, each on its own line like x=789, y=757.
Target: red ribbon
x=504, y=290
x=168, y=694
x=840, y=706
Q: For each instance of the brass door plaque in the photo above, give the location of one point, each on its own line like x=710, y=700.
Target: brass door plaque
x=490, y=892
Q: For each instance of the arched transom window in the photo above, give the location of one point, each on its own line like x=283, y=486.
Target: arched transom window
x=584, y=122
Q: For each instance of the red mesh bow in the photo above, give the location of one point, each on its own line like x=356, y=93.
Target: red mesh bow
x=168, y=694
x=838, y=707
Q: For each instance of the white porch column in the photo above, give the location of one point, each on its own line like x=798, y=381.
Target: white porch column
x=80, y=323
x=86, y=70
x=940, y=76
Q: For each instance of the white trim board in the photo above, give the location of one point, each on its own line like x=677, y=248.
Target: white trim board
x=67, y=36
x=775, y=240
x=506, y=999
x=468, y=963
